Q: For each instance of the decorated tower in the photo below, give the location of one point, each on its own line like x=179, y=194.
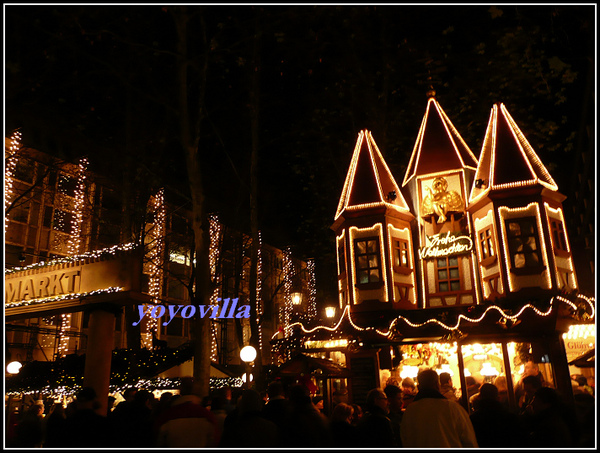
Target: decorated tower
x=517, y=214
x=438, y=180
x=376, y=269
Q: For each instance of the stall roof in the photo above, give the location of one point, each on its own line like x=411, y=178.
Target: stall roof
x=304, y=364
x=585, y=360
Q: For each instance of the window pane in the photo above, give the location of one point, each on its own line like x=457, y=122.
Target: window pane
x=454, y=273
x=442, y=263
x=516, y=245
x=442, y=274
x=531, y=244
x=532, y=259
x=443, y=287
x=373, y=261
x=375, y=275
x=455, y=286
x=371, y=247
x=453, y=261
x=363, y=277
x=519, y=260
x=514, y=229
x=362, y=262
x=361, y=246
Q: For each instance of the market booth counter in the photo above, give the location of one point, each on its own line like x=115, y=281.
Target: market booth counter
x=320, y=376
x=498, y=343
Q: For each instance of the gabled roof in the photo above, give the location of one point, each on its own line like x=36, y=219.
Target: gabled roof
x=439, y=146
x=369, y=181
x=507, y=159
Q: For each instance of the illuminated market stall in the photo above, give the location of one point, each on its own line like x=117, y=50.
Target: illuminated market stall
x=466, y=268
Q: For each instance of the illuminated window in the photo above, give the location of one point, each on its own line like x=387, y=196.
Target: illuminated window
x=558, y=235
x=448, y=275
x=400, y=249
x=523, y=243
x=487, y=246
x=367, y=260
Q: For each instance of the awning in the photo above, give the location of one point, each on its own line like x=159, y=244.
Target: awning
x=304, y=364
x=585, y=360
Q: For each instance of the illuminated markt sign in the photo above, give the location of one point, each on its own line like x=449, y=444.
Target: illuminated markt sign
x=46, y=285
x=446, y=244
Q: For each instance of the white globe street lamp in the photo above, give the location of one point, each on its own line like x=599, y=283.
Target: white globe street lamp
x=248, y=354
x=13, y=367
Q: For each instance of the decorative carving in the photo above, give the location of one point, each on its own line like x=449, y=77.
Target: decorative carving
x=441, y=201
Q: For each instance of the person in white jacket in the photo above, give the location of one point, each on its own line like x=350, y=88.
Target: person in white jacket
x=433, y=421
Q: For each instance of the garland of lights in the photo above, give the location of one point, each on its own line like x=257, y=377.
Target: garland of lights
x=93, y=255
x=63, y=297
x=213, y=257
x=312, y=290
x=156, y=264
x=10, y=164
x=287, y=286
x=259, y=306
x=64, y=392
x=455, y=327
x=74, y=246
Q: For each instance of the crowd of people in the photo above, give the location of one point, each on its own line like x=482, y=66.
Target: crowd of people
x=403, y=414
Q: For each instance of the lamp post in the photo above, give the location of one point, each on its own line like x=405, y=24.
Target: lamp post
x=248, y=354
x=329, y=312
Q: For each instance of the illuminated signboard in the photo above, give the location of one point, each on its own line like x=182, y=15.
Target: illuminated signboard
x=445, y=245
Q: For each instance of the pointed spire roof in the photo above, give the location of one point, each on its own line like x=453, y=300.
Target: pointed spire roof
x=439, y=146
x=507, y=159
x=369, y=181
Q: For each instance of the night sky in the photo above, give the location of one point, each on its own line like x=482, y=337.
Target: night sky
x=100, y=81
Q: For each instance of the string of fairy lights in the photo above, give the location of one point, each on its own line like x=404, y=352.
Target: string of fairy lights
x=451, y=327
x=288, y=269
x=10, y=164
x=213, y=258
x=74, y=245
x=87, y=256
x=155, y=255
x=259, y=306
x=73, y=248
x=312, y=289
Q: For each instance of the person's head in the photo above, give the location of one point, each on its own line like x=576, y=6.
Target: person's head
x=500, y=383
x=250, y=401
x=357, y=414
x=428, y=379
x=143, y=398
x=318, y=402
x=377, y=398
x=394, y=395
x=581, y=380
x=531, y=368
x=445, y=379
x=408, y=386
x=342, y=412
x=166, y=397
x=299, y=395
x=86, y=398
x=545, y=398
x=275, y=389
x=488, y=392
x=186, y=386
x=129, y=393
x=531, y=384
x=36, y=410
